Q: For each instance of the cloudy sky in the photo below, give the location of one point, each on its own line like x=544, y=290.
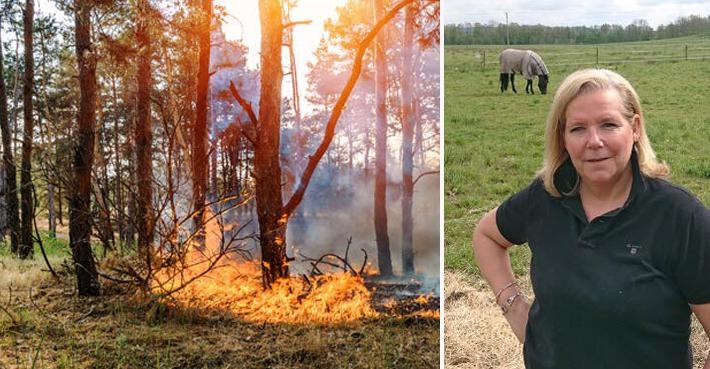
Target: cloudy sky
x=572, y=12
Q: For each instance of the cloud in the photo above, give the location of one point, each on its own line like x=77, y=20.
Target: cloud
x=573, y=13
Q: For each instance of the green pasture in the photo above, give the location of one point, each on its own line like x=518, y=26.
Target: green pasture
x=493, y=142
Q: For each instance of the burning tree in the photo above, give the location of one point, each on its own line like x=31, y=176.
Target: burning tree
x=273, y=215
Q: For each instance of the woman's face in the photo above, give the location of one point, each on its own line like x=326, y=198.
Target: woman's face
x=598, y=137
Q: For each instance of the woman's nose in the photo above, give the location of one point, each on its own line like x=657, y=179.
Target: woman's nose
x=594, y=140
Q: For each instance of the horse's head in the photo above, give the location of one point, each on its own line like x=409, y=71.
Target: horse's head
x=542, y=81
x=503, y=82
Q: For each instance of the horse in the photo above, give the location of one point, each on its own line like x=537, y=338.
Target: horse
x=526, y=62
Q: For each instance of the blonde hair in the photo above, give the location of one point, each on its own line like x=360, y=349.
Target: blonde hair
x=583, y=82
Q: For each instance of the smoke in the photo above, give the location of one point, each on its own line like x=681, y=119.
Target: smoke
x=333, y=212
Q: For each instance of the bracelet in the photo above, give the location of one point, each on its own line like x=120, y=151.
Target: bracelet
x=509, y=302
x=513, y=283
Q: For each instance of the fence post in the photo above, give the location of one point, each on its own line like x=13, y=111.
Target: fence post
x=597, y=55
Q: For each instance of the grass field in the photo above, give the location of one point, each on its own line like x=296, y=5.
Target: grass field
x=494, y=143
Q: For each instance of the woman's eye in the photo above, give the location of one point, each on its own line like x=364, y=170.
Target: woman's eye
x=609, y=125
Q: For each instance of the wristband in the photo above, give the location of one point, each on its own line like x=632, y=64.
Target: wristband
x=513, y=283
x=509, y=302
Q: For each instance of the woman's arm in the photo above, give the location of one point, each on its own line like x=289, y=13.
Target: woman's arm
x=491, y=251
x=702, y=312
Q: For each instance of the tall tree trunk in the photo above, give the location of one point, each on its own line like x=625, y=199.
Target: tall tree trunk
x=384, y=259
x=119, y=202
x=80, y=205
x=51, y=213
x=103, y=213
x=11, y=201
x=26, y=248
x=144, y=136
x=408, y=119
x=200, y=160
x=267, y=167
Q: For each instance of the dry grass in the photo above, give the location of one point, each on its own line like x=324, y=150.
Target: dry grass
x=477, y=336
x=22, y=274
x=46, y=325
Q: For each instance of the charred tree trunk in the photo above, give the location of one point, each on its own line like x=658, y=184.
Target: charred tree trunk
x=80, y=204
x=384, y=260
x=26, y=249
x=11, y=201
x=143, y=136
x=267, y=167
x=408, y=119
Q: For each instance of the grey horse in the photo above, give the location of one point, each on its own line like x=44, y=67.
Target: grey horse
x=526, y=62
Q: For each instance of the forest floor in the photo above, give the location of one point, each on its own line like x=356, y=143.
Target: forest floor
x=44, y=324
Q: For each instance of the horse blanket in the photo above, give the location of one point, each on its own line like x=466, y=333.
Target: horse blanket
x=526, y=62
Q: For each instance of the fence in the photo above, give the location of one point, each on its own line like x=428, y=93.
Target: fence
x=556, y=55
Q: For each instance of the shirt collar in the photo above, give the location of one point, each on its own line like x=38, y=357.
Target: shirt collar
x=566, y=180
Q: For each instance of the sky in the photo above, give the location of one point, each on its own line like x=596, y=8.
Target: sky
x=572, y=12
x=242, y=24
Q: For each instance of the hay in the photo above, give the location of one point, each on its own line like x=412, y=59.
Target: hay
x=476, y=335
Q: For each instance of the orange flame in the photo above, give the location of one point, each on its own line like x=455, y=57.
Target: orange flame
x=236, y=287
x=206, y=281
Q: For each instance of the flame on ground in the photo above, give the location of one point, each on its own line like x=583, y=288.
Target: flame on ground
x=235, y=287
x=238, y=289
x=203, y=280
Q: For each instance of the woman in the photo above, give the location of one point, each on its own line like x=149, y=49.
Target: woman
x=620, y=257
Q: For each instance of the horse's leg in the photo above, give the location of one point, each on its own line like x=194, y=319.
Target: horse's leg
x=529, y=87
x=512, y=82
x=503, y=82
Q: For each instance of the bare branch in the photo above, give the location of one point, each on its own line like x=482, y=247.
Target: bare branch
x=247, y=108
x=295, y=23
x=424, y=174
x=313, y=160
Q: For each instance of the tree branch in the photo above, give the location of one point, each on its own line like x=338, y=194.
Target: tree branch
x=247, y=108
x=423, y=174
x=295, y=23
x=313, y=159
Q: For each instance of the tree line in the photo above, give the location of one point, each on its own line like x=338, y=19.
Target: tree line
x=495, y=33
x=136, y=118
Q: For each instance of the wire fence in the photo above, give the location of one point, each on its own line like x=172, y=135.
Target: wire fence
x=576, y=55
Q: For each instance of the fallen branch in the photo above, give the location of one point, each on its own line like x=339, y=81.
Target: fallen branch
x=344, y=263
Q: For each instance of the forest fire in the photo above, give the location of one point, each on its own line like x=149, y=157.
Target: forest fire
x=208, y=280
x=237, y=289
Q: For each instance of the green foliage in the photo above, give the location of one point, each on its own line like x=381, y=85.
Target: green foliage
x=494, y=142
x=54, y=247
x=639, y=30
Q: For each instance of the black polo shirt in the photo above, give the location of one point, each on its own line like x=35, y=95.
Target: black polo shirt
x=612, y=293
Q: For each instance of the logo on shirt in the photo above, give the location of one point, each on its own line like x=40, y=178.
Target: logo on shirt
x=633, y=249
